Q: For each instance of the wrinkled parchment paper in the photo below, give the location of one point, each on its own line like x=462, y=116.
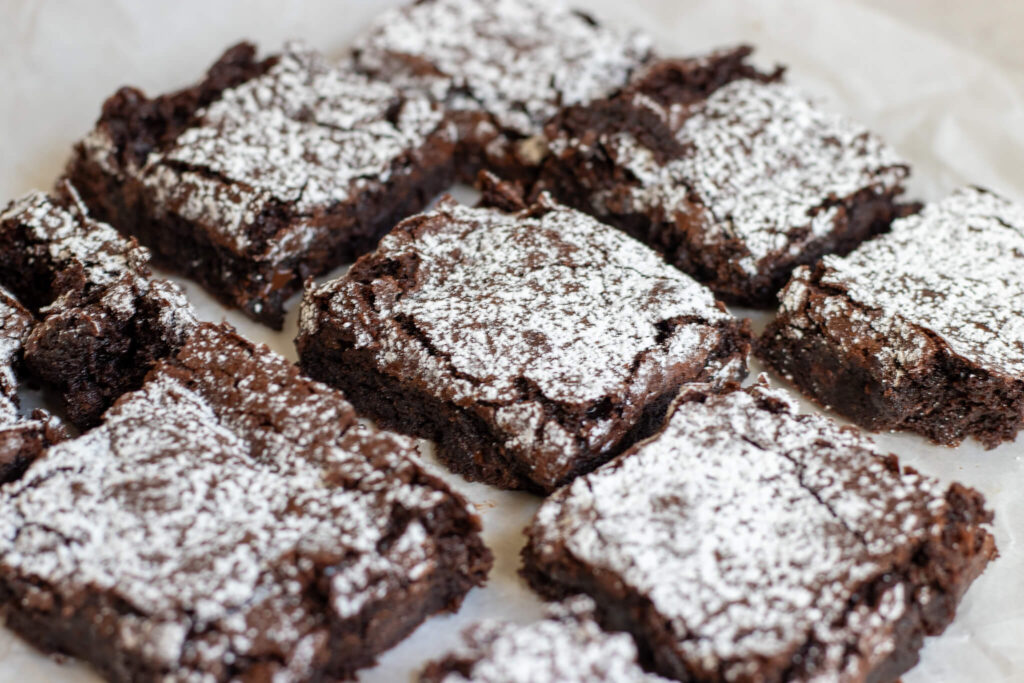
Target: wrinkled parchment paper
x=958, y=118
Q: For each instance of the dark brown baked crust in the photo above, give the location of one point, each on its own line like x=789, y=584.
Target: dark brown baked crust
x=726, y=171
x=208, y=177
x=530, y=345
x=104, y=321
x=501, y=68
x=257, y=529
x=915, y=331
x=783, y=612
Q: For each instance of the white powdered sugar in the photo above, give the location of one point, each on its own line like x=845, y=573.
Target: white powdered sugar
x=70, y=238
x=567, y=646
x=227, y=510
x=954, y=270
x=306, y=134
x=749, y=530
x=519, y=61
x=512, y=312
x=766, y=165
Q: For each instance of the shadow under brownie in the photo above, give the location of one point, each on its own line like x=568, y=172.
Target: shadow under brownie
x=732, y=174
x=231, y=520
x=103, y=320
x=266, y=172
x=532, y=343
x=501, y=68
x=748, y=543
x=921, y=329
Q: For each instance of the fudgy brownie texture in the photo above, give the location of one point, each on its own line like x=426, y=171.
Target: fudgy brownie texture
x=231, y=520
x=104, y=320
x=748, y=543
x=567, y=646
x=730, y=173
x=22, y=440
x=920, y=329
x=264, y=173
x=502, y=68
x=532, y=345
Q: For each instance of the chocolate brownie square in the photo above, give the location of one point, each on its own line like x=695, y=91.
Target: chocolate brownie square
x=531, y=344
x=920, y=329
x=567, y=646
x=22, y=440
x=266, y=172
x=749, y=543
x=732, y=174
x=502, y=68
x=104, y=321
x=231, y=520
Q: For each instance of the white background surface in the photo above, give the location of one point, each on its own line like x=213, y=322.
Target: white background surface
x=943, y=80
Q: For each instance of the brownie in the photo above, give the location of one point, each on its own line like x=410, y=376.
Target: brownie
x=104, y=320
x=566, y=646
x=22, y=440
x=531, y=344
x=231, y=520
x=748, y=543
x=921, y=329
x=502, y=68
x=266, y=172
x=15, y=324
x=732, y=174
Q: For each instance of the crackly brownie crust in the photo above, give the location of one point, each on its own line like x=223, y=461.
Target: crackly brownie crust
x=749, y=543
x=104, y=321
x=731, y=174
x=921, y=329
x=531, y=344
x=266, y=172
x=231, y=520
x=502, y=68
x=566, y=646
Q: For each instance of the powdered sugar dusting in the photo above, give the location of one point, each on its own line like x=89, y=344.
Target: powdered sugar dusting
x=230, y=505
x=514, y=311
x=749, y=530
x=70, y=239
x=306, y=134
x=565, y=647
x=518, y=60
x=766, y=164
x=954, y=270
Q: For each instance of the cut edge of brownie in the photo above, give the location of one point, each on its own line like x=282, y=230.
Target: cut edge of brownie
x=957, y=399
x=944, y=566
x=138, y=125
x=465, y=442
x=861, y=215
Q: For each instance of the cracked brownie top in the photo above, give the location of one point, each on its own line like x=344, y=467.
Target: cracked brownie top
x=519, y=61
x=553, y=328
x=760, y=537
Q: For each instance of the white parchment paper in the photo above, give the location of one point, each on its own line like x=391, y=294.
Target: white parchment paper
x=956, y=116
